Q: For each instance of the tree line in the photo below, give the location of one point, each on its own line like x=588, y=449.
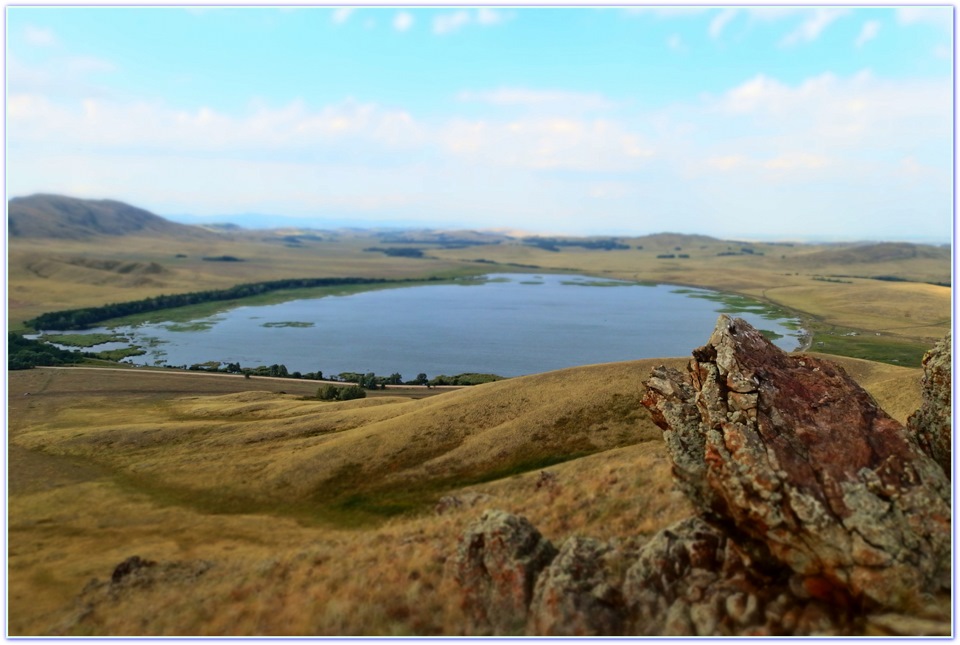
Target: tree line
x=86, y=317
x=554, y=244
x=24, y=353
x=363, y=380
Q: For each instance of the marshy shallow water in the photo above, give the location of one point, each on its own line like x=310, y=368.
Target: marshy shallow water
x=506, y=324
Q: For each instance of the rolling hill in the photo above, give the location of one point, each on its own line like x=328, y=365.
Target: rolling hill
x=61, y=217
x=876, y=253
x=275, y=513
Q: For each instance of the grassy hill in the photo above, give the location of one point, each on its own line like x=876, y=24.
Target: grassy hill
x=61, y=217
x=306, y=517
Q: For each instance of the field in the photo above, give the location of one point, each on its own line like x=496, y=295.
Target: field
x=269, y=512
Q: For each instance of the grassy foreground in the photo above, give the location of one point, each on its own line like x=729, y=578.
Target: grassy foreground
x=273, y=514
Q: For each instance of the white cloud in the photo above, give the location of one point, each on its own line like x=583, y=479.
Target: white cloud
x=596, y=145
x=88, y=64
x=851, y=136
x=342, y=14
x=869, y=31
x=62, y=77
x=487, y=16
x=720, y=21
x=797, y=161
x=667, y=11
x=609, y=189
x=104, y=125
x=811, y=28
x=39, y=37
x=726, y=162
x=403, y=21
x=448, y=23
x=936, y=16
x=544, y=99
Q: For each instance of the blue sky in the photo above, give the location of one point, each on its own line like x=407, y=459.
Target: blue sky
x=747, y=122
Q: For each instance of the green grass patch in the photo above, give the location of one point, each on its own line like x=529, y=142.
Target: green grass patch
x=770, y=335
x=119, y=354
x=287, y=324
x=83, y=340
x=196, y=325
x=736, y=304
x=597, y=283
x=868, y=346
x=361, y=504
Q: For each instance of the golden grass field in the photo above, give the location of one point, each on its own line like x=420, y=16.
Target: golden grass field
x=184, y=468
x=272, y=513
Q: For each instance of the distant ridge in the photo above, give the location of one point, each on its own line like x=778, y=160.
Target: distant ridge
x=61, y=217
x=878, y=252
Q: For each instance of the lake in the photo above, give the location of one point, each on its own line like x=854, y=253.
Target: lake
x=506, y=324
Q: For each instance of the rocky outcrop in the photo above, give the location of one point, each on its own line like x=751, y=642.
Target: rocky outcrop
x=132, y=576
x=693, y=579
x=496, y=565
x=573, y=596
x=792, y=453
x=818, y=514
x=931, y=424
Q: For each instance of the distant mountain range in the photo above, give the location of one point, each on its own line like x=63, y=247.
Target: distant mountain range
x=61, y=217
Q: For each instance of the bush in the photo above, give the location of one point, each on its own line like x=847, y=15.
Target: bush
x=334, y=393
x=351, y=392
x=327, y=393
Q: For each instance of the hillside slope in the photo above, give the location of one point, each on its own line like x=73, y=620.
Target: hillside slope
x=61, y=217
x=245, y=498
x=375, y=456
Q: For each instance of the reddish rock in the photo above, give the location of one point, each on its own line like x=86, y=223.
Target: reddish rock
x=496, y=565
x=931, y=424
x=796, y=456
x=693, y=579
x=573, y=596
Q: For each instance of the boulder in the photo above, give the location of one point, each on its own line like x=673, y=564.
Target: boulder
x=496, y=565
x=790, y=453
x=573, y=597
x=931, y=424
x=693, y=579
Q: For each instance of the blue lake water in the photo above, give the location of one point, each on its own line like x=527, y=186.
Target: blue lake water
x=509, y=324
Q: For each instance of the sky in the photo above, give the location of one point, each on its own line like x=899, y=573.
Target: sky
x=774, y=122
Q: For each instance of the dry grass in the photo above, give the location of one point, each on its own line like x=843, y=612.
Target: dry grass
x=316, y=518
x=99, y=466
x=50, y=275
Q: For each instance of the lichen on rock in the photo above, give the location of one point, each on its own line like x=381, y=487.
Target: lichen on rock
x=496, y=566
x=932, y=423
x=796, y=455
x=573, y=596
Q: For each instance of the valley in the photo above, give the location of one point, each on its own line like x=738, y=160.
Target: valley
x=267, y=511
